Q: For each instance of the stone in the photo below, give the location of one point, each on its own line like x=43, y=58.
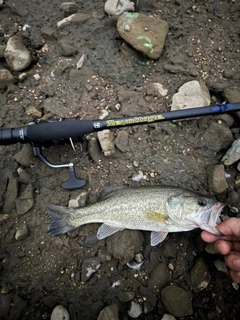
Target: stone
x=11, y=196
x=60, y=313
x=75, y=19
x=177, y=301
x=66, y=49
x=159, y=277
x=25, y=156
x=192, y=94
x=123, y=245
x=109, y=313
x=5, y=305
x=2, y=2
x=105, y=138
x=217, y=182
x=121, y=141
x=170, y=249
x=217, y=137
x=2, y=49
x=232, y=96
x=18, y=9
x=221, y=266
x=135, y=310
x=116, y=7
x=209, y=248
x=126, y=296
x=18, y=308
x=16, y=54
x=78, y=201
x=6, y=78
x=4, y=218
x=32, y=111
x=233, y=154
x=89, y=267
x=24, y=176
x=48, y=33
x=94, y=149
x=26, y=201
x=168, y=317
x=22, y=232
x=69, y=8
x=200, y=276
x=160, y=89
x=145, y=34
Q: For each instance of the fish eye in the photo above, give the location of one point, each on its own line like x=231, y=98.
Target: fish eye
x=202, y=202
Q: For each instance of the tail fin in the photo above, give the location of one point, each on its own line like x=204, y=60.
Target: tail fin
x=60, y=219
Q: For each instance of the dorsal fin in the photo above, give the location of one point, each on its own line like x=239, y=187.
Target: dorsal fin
x=107, y=191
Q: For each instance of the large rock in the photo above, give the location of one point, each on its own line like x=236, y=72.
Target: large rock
x=109, y=313
x=17, y=55
x=123, y=245
x=192, y=94
x=232, y=96
x=217, y=137
x=145, y=34
x=159, y=278
x=233, y=154
x=177, y=301
x=200, y=275
x=217, y=182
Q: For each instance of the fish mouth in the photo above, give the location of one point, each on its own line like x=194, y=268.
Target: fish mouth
x=211, y=217
x=216, y=212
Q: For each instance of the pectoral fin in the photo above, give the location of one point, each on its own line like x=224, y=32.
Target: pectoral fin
x=155, y=216
x=157, y=237
x=106, y=230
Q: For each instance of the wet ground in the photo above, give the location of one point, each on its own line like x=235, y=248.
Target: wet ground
x=41, y=271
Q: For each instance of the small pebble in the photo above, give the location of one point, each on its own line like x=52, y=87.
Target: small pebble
x=22, y=232
x=37, y=77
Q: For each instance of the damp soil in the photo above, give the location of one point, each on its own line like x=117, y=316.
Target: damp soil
x=41, y=271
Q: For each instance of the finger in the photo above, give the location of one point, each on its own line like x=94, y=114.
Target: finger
x=235, y=275
x=209, y=237
x=223, y=246
x=230, y=227
x=233, y=261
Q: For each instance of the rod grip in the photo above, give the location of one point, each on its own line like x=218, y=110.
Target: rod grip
x=46, y=131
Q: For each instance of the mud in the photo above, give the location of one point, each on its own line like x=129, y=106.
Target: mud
x=40, y=272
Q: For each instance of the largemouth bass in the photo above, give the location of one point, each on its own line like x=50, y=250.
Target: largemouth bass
x=159, y=209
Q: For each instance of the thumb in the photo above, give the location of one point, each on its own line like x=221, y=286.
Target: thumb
x=230, y=228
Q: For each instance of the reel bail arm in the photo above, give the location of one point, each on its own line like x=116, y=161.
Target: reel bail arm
x=73, y=182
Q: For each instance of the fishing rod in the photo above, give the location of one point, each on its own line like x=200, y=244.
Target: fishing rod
x=60, y=131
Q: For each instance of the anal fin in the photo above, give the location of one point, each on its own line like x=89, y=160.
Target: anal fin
x=158, y=237
x=106, y=230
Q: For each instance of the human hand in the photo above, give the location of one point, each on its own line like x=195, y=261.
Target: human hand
x=228, y=245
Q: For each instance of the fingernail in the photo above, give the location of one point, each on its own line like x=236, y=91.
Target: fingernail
x=236, y=263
